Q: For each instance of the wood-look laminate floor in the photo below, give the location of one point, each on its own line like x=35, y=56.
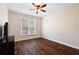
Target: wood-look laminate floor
x=41, y=46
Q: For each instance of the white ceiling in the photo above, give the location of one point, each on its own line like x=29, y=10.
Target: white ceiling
x=24, y=8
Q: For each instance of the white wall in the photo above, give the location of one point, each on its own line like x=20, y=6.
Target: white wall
x=63, y=26
x=3, y=13
x=14, y=21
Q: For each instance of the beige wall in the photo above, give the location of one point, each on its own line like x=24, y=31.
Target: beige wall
x=15, y=25
x=3, y=13
x=63, y=26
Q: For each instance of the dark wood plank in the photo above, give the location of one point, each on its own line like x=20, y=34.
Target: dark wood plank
x=41, y=46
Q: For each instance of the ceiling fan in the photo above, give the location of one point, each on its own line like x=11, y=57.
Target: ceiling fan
x=39, y=7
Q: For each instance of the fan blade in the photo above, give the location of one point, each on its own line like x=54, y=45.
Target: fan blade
x=43, y=10
x=43, y=6
x=33, y=4
x=32, y=9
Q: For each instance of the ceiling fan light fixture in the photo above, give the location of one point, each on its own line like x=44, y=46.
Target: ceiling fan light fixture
x=39, y=7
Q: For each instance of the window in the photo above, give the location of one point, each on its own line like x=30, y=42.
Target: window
x=28, y=26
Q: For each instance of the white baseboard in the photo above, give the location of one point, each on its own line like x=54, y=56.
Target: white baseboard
x=27, y=38
x=62, y=43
